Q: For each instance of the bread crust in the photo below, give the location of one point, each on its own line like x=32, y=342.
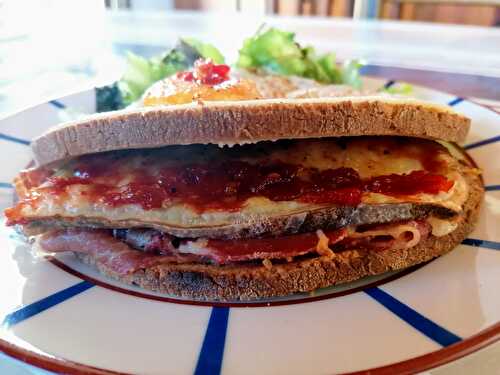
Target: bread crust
x=229, y=123
x=249, y=281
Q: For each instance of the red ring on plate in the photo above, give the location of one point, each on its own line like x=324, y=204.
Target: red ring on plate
x=410, y=366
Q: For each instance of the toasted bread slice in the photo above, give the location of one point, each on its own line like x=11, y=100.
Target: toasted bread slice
x=240, y=122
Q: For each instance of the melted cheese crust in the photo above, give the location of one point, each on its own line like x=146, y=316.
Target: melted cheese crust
x=370, y=156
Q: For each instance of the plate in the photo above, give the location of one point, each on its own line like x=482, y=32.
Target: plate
x=60, y=315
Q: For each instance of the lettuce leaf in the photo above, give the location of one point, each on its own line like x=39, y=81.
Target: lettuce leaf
x=205, y=50
x=277, y=51
x=141, y=73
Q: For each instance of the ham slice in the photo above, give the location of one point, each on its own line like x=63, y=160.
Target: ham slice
x=393, y=236
x=108, y=251
x=227, y=251
x=118, y=254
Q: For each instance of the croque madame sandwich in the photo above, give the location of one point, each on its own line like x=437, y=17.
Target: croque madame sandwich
x=259, y=186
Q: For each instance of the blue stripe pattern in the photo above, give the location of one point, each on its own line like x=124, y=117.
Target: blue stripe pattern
x=426, y=326
x=46, y=303
x=455, y=101
x=492, y=187
x=389, y=84
x=482, y=243
x=483, y=142
x=57, y=104
x=458, y=100
x=212, y=349
x=10, y=138
x=5, y=185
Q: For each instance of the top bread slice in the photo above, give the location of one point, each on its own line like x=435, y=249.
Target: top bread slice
x=240, y=122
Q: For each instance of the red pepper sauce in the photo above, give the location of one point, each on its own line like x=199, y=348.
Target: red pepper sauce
x=58, y=185
x=205, y=72
x=229, y=185
x=408, y=184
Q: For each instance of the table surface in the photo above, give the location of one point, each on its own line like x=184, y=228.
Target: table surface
x=462, y=60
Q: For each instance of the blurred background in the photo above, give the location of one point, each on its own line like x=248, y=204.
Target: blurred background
x=467, y=12
x=49, y=48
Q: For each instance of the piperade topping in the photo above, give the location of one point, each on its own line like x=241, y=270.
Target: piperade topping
x=208, y=179
x=228, y=186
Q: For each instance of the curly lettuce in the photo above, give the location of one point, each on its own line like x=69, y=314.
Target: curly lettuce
x=277, y=51
x=205, y=50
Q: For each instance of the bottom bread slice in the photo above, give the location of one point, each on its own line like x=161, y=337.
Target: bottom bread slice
x=252, y=281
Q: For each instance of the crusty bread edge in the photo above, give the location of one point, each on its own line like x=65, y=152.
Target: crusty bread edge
x=239, y=122
x=249, y=282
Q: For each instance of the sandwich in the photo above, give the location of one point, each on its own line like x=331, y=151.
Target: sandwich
x=222, y=184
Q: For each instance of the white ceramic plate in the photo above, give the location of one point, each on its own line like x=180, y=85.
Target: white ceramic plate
x=60, y=315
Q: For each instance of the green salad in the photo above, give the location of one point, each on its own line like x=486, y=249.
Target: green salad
x=277, y=51
x=270, y=50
